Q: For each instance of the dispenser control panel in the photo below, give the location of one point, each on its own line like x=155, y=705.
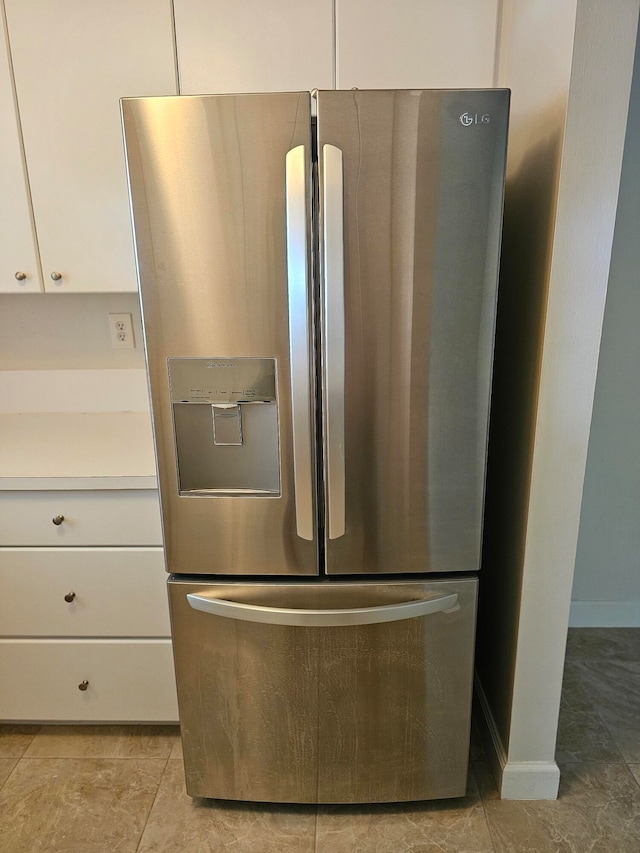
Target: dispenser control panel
x=225, y=422
x=222, y=380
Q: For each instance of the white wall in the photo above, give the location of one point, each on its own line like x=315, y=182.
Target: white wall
x=606, y=589
x=570, y=96
x=65, y=331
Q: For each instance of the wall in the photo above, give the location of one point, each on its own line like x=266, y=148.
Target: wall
x=606, y=589
x=569, y=66
x=65, y=331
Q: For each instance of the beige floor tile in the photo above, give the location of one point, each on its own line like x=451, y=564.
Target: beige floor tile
x=603, y=644
x=179, y=824
x=598, y=810
x=176, y=749
x=582, y=736
x=438, y=826
x=6, y=766
x=614, y=690
x=103, y=742
x=77, y=805
x=14, y=739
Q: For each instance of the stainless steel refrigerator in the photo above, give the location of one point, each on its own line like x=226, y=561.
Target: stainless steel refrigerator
x=318, y=287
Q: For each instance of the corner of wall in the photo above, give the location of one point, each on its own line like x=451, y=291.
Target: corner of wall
x=516, y=780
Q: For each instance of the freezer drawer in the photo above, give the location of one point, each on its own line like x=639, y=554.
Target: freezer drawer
x=324, y=692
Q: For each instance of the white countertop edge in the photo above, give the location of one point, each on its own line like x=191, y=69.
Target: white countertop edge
x=54, y=484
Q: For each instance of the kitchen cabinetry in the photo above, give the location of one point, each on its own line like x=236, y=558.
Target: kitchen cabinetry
x=72, y=62
x=280, y=46
x=85, y=631
x=19, y=263
x=84, y=619
x=254, y=46
x=415, y=44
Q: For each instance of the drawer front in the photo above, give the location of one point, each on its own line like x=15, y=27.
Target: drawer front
x=364, y=689
x=114, y=592
x=128, y=517
x=128, y=681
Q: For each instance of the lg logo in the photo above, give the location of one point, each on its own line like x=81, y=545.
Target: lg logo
x=467, y=119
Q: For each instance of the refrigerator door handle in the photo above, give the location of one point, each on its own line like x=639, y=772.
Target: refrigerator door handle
x=299, y=344
x=323, y=618
x=334, y=335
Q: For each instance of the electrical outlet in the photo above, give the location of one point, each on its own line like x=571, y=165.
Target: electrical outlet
x=121, y=331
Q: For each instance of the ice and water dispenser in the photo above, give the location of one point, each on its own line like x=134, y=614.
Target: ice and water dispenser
x=225, y=420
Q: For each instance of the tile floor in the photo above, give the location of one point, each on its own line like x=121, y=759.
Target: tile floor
x=93, y=789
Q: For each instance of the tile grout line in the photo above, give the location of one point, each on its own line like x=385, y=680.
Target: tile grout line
x=153, y=802
x=484, y=809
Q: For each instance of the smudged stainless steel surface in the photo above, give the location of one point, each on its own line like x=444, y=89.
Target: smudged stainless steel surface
x=207, y=181
x=370, y=713
x=422, y=221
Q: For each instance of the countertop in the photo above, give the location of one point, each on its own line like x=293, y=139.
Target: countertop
x=75, y=449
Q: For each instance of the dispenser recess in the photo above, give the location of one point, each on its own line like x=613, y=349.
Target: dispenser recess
x=225, y=422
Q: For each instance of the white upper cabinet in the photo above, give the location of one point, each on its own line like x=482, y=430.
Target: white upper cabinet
x=72, y=62
x=254, y=46
x=19, y=265
x=410, y=44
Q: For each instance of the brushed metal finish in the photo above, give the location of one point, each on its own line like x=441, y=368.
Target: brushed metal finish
x=207, y=181
x=358, y=713
x=83, y=685
x=20, y=276
x=308, y=618
x=57, y=520
x=299, y=288
x=333, y=337
x=423, y=192
x=69, y=597
x=56, y=276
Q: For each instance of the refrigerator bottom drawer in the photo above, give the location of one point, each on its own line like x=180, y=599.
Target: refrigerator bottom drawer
x=324, y=693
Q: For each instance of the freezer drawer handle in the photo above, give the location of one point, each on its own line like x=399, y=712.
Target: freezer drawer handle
x=299, y=343
x=334, y=334
x=319, y=618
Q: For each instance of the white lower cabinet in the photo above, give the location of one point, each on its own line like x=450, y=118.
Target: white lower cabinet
x=87, y=680
x=72, y=518
x=83, y=592
x=84, y=618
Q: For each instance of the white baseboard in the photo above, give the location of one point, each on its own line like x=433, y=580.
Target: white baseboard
x=530, y=780
x=517, y=780
x=604, y=614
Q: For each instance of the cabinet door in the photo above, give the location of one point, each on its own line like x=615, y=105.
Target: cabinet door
x=19, y=267
x=415, y=44
x=72, y=62
x=254, y=46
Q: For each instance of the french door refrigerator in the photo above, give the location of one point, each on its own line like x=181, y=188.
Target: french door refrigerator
x=318, y=290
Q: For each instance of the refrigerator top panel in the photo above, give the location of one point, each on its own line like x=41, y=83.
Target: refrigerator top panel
x=221, y=194
x=411, y=193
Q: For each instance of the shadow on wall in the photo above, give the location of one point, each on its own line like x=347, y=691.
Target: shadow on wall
x=529, y=217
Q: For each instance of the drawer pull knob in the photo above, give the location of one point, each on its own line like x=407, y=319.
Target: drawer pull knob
x=20, y=276
x=58, y=519
x=56, y=276
x=70, y=596
x=83, y=685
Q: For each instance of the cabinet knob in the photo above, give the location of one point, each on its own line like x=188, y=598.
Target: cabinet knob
x=56, y=276
x=83, y=685
x=70, y=596
x=20, y=276
x=57, y=520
